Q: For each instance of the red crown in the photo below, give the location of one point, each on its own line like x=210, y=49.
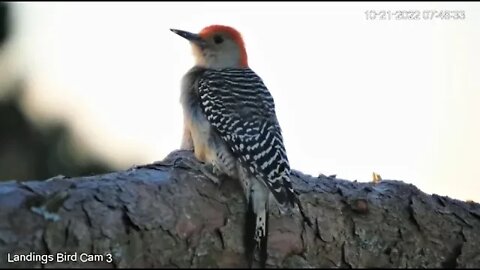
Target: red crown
x=233, y=33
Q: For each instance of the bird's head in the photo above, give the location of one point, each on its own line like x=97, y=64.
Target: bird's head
x=217, y=46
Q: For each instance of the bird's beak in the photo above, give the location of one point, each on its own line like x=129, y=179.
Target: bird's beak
x=195, y=38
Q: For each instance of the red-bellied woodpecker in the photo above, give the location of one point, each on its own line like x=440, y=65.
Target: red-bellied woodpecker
x=230, y=123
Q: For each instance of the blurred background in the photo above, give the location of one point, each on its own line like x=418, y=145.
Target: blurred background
x=87, y=88
x=29, y=147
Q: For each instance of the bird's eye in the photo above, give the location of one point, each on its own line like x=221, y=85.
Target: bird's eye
x=218, y=39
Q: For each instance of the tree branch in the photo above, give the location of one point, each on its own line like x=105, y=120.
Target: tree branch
x=168, y=215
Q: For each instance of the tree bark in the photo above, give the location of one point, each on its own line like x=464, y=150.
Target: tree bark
x=167, y=214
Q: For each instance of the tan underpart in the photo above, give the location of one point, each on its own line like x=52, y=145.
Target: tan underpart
x=197, y=135
x=187, y=141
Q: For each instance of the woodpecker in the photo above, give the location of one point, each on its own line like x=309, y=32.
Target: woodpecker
x=230, y=123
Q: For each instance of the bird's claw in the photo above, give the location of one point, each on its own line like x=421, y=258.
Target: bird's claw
x=211, y=172
x=208, y=170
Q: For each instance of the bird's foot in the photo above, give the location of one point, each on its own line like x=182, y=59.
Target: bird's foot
x=210, y=171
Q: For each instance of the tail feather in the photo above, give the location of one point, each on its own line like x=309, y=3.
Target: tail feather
x=256, y=225
x=249, y=239
x=263, y=243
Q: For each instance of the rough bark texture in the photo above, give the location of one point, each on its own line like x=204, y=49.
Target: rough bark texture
x=168, y=215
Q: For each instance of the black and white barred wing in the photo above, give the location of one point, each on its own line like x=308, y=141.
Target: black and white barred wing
x=241, y=109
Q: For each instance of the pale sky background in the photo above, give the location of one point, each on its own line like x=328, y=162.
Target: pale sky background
x=353, y=96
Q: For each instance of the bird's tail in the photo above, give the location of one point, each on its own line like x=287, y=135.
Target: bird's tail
x=256, y=235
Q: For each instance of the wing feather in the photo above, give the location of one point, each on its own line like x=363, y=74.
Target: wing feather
x=239, y=106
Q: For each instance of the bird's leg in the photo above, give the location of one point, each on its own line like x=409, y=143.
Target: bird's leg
x=209, y=170
x=212, y=172
x=216, y=169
